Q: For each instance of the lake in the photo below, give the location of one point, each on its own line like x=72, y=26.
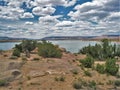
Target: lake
x=71, y=45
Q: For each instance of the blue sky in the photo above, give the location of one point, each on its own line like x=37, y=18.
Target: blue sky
x=41, y=18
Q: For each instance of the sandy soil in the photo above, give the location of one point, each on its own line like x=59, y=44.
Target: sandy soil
x=41, y=74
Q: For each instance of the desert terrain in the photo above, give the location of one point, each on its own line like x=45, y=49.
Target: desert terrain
x=38, y=73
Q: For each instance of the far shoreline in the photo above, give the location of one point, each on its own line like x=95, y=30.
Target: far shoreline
x=113, y=40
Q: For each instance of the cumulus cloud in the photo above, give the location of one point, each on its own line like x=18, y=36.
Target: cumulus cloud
x=97, y=17
x=97, y=8
x=65, y=3
x=114, y=17
x=28, y=23
x=10, y=13
x=27, y=15
x=64, y=24
x=49, y=18
x=43, y=10
x=103, y=12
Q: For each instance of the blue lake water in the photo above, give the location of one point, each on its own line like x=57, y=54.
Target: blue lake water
x=73, y=45
x=70, y=45
x=7, y=45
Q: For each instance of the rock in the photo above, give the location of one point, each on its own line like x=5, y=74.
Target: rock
x=36, y=74
x=14, y=65
x=15, y=72
x=10, y=87
x=63, y=49
x=10, y=70
x=53, y=72
x=11, y=75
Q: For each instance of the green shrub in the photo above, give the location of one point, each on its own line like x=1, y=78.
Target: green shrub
x=56, y=79
x=117, y=82
x=47, y=49
x=1, y=51
x=26, y=47
x=61, y=78
x=13, y=57
x=28, y=78
x=117, y=75
x=87, y=73
x=77, y=85
x=110, y=82
x=111, y=67
x=74, y=71
x=19, y=47
x=16, y=52
x=3, y=82
x=82, y=81
x=87, y=62
x=102, y=51
x=24, y=58
x=100, y=83
x=19, y=88
x=36, y=59
x=92, y=84
x=100, y=68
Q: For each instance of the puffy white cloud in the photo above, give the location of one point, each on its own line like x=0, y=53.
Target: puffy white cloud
x=105, y=13
x=114, y=17
x=96, y=8
x=49, y=18
x=91, y=18
x=28, y=23
x=66, y=3
x=64, y=24
x=13, y=9
x=27, y=15
x=70, y=3
x=88, y=6
x=7, y=12
x=43, y=10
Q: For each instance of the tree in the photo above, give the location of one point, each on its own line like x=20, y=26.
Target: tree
x=16, y=52
x=47, y=49
x=102, y=51
x=19, y=47
x=26, y=46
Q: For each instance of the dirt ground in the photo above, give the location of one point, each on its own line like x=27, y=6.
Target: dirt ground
x=43, y=74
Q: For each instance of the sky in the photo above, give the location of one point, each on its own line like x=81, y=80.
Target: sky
x=42, y=18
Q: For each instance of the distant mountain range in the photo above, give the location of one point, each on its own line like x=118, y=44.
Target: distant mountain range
x=81, y=37
x=11, y=38
x=65, y=38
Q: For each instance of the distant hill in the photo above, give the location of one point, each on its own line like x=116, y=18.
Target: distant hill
x=81, y=37
x=67, y=37
x=112, y=37
x=7, y=39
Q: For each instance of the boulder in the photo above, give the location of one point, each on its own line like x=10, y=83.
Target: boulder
x=10, y=70
x=11, y=75
x=63, y=49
